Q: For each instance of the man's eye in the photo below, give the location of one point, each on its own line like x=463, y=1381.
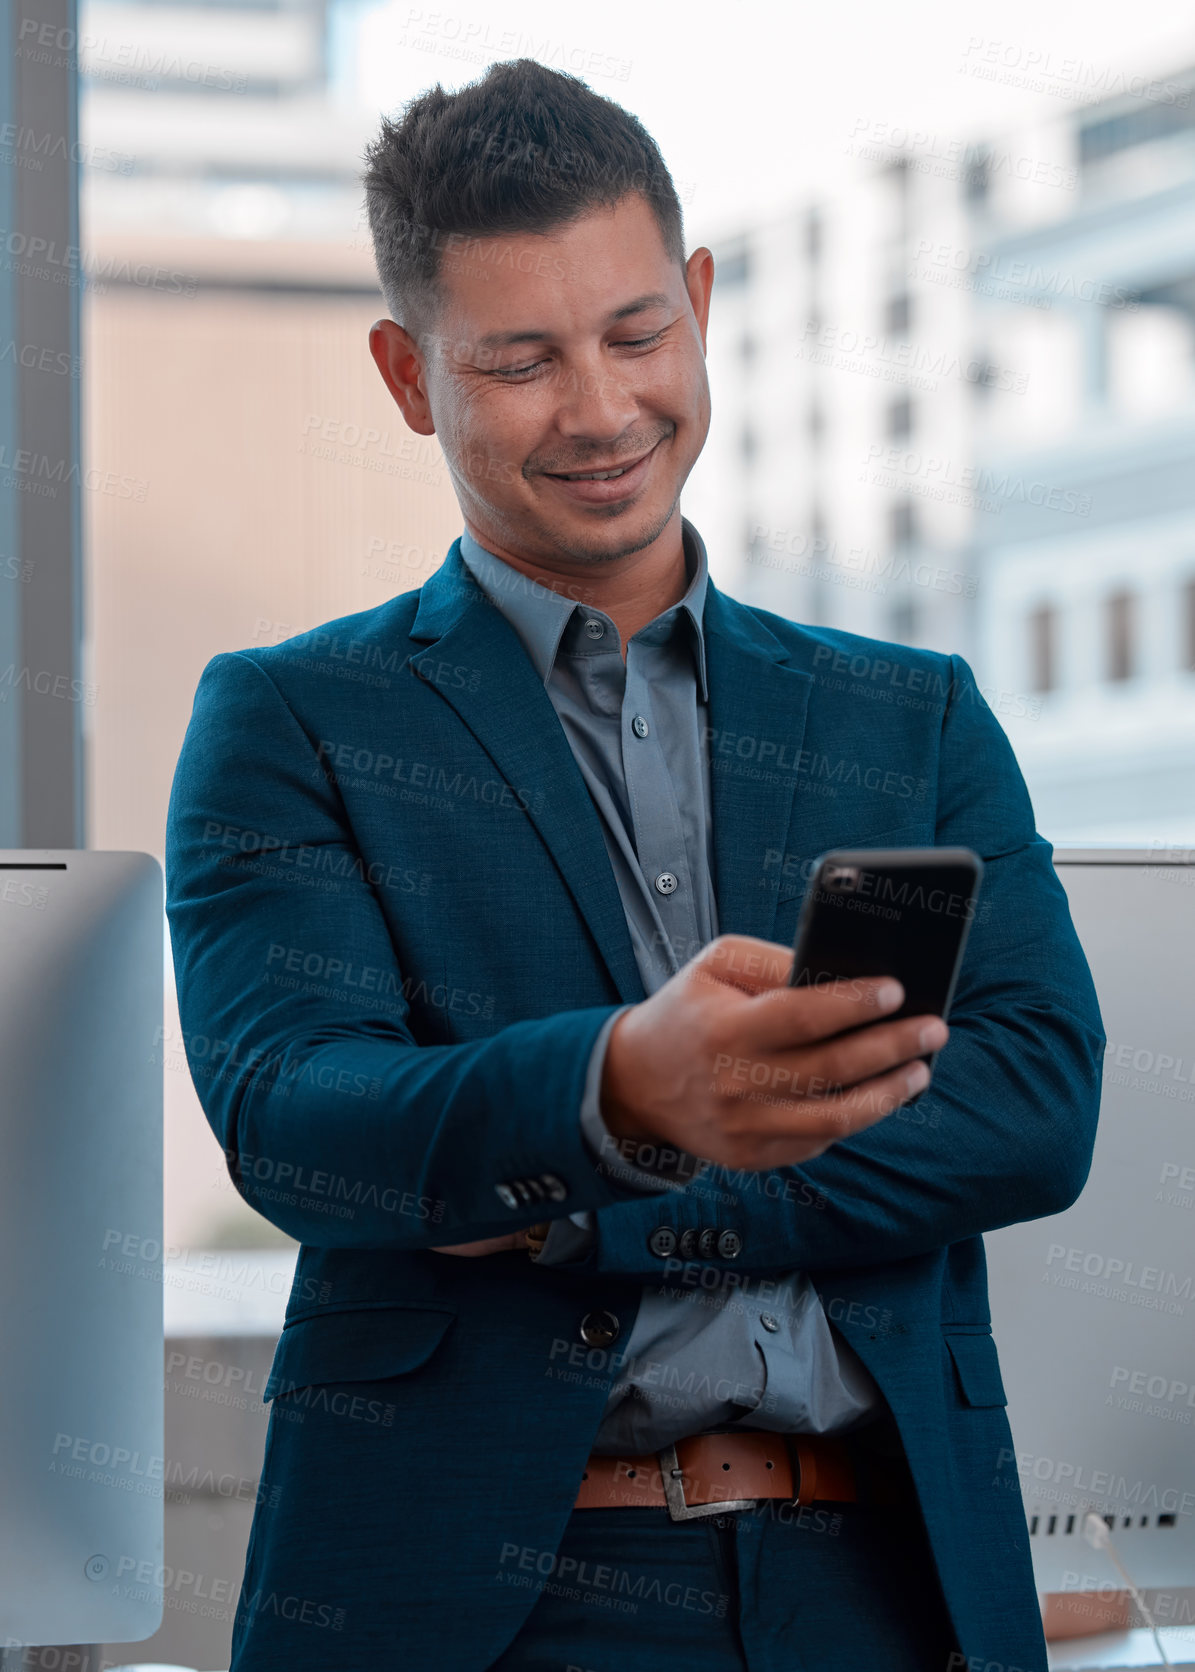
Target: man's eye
x=522, y=371
x=516, y=371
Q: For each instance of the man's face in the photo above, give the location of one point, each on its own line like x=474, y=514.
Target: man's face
x=556, y=355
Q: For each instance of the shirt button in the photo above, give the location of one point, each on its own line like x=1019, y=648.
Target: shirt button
x=665, y=883
x=599, y=1329
x=639, y=726
x=730, y=1244
x=662, y=1241
x=596, y=629
x=769, y=1323
x=688, y=1243
x=707, y=1243
x=507, y=1195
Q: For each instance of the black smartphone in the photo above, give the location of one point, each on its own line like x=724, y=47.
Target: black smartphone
x=889, y=911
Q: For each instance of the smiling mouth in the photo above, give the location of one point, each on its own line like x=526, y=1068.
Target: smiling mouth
x=598, y=475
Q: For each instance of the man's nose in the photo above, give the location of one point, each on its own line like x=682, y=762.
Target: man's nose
x=595, y=401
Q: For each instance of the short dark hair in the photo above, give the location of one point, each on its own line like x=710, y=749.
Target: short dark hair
x=523, y=149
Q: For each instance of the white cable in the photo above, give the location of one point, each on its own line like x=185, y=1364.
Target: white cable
x=1099, y=1535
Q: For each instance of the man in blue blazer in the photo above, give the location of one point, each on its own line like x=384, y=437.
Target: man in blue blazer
x=640, y=1318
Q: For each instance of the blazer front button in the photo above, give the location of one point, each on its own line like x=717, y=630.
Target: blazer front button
x=599, y=1329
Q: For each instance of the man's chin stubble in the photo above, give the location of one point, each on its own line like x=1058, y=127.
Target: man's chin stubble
x=576, y=553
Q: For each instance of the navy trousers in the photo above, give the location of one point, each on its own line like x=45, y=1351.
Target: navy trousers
x=820, y=1588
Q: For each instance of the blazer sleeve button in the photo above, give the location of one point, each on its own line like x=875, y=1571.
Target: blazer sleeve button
x=662, y=1241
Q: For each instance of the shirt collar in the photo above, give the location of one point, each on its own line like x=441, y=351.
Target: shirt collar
x=539, y=616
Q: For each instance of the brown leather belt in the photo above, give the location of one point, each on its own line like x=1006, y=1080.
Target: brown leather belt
x=712, y=1474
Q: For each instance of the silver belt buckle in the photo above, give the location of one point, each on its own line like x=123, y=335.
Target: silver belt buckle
x=674, y=1492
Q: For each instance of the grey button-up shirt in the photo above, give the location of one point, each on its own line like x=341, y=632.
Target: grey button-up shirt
x=701, y=1359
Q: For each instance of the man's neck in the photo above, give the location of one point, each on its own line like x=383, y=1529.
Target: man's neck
x=632, y=591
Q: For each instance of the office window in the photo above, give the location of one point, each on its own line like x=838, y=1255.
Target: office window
x=1189, y=624
x=747, y=443
x=816, y=422
x=1043, y=648
x=814, y=236
x=1119, y=628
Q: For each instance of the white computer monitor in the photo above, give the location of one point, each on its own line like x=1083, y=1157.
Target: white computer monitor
x=1094, y=1309
x=82, y=959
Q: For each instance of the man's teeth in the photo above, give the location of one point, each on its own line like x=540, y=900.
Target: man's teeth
x=597, y=475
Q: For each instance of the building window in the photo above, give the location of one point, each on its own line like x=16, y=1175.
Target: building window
x=733, y=266
x=902, y=523
x=977, y=178
x=983, y=378
x=898, y=313
x=900, y=418
x=814, y=236
x=746, y=348
x=903, y=618
x=747, y=443
x=1043, y=648
x=1119, y=634
x=1189, y=623
x=816, y=421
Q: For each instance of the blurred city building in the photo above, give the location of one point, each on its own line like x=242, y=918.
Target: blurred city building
x=955, y=407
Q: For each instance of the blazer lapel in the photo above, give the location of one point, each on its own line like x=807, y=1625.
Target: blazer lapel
x=503, y=702
x=757, y=708
x=757, y=712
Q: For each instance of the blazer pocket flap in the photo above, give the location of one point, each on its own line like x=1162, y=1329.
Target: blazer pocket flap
x=977, y=1366
x=355, y=1344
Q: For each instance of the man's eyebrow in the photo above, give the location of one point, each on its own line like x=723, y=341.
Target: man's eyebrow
x=641, y=304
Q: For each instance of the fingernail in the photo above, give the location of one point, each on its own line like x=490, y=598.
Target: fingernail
x=932, y=1035
x=889, y=994
x=918, y=1076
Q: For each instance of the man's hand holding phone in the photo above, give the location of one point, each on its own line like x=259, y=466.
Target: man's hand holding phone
x=728, y=1062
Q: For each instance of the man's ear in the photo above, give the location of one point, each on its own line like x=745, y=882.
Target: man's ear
x=699, y=281
x=400, y=361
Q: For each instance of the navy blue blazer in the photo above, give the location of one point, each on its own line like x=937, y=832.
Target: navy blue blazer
x=396, y=936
